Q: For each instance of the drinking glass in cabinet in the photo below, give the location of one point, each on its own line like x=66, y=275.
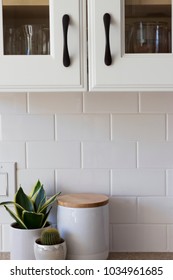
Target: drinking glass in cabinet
x=148, y=26
x=26, y=27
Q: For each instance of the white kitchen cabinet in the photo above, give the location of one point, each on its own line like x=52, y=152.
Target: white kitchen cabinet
x=43, y=45
x=130, y=45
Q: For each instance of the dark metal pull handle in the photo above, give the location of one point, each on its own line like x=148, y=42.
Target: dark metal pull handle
x=108, y=57
x=66, y=57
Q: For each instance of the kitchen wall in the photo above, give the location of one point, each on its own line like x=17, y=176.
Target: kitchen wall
x=119, y=144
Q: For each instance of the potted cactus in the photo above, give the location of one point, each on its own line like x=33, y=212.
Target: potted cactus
x=50, y=246
x=30, y=215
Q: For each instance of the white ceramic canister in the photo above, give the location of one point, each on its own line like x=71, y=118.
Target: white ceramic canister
x=83, y=221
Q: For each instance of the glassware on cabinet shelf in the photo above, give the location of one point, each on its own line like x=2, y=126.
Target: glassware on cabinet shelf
x=148, y=26
x=26, y=27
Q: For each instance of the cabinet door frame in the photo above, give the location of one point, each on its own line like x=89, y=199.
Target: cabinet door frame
x=128, y=72
x=47, y=72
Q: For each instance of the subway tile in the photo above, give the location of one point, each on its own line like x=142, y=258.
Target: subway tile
x=122, y=210
x=155, y=154
x=82, y=127
x=5, y=216
x=27, y=127
x=170, y=128
x=27, y=178
x=0, y=129
x=5, y=238
x=156, y=102
x=53, y=155
x=83, y=180
x=109, y=155
x=13, y=152
x=43, y=103
x=169, y=177
x=155, y=210
x=138, y=127
x=0, y=237
x=170, y=238
x=13, y=103
x=138, y=182
x=111, y=102
x=139, y=238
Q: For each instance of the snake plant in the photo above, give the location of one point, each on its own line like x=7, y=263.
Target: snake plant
x=31, y=211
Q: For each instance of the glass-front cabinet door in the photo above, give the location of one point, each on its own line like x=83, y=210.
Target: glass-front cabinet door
x=130, y=45
x=42, y=45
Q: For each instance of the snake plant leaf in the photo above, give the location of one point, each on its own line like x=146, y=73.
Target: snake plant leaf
x=49, y=202
x=39, y=199
x=35, y=189
x=32, y=220
x=16, y=218
x=22, y=199
x=45, y=217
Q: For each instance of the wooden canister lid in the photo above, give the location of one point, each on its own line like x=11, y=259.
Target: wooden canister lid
x=82, y=200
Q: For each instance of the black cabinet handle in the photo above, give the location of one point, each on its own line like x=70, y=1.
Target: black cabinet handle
x=66, y=57
x=108, y=57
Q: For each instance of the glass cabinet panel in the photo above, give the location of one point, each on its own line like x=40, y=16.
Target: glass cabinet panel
x=26, y=27
x=148, y=26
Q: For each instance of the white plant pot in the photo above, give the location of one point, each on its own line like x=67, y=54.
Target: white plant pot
x=50, y=252
x=22, y=242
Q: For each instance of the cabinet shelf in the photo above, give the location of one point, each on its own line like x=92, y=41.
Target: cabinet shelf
x=25, y=3
x=148, y=2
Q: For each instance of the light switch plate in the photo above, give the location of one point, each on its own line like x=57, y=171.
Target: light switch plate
x=7, y=180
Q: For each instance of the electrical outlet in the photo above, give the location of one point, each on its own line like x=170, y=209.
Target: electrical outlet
x=7, y=180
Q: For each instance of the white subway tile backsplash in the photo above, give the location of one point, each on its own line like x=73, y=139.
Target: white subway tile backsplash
x=53, y=155
x=13, y=103
x=139, y=238
x=138, y=127
x=109, y=155
x=83, y=180
x=13, y=152
x=155, y=210
x=83, y=127
x=138, y=182
x=152, y=102
x=27, y=127
x=45, y=103
x=123, y=210
x=111, y=102
x=155, y=154
x=28, y=178
x=116, y=143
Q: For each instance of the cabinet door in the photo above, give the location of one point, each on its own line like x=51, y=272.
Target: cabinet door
x=42, y=45
x=130, y=45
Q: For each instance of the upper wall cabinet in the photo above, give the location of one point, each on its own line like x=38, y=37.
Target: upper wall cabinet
x=130, y=45
x=43, y=45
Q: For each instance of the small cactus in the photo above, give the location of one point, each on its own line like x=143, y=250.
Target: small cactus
x=50, y=236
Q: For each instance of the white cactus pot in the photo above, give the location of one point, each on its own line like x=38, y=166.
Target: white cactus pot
x=22, y=242
x=50, y=252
